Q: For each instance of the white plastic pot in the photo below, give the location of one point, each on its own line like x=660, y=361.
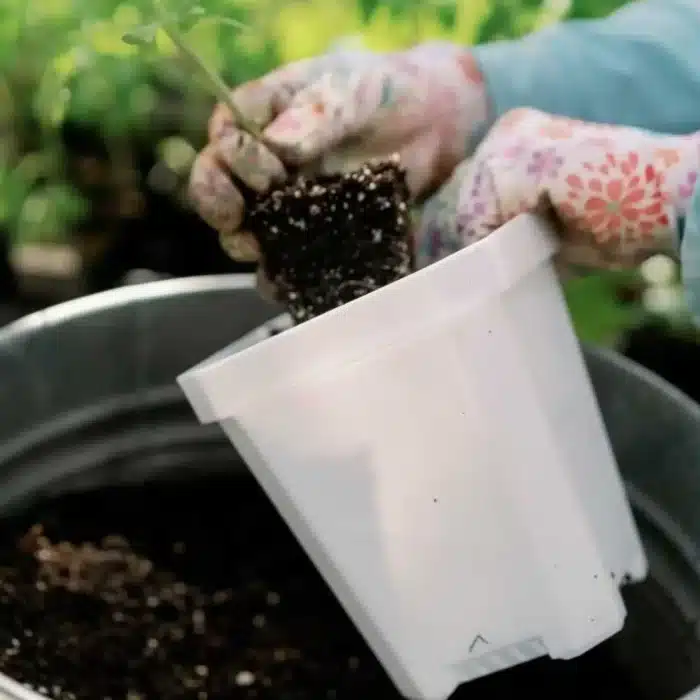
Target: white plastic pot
x=437, y=448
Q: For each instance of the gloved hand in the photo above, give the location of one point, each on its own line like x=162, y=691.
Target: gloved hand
x=617, y=193
x=334, y=113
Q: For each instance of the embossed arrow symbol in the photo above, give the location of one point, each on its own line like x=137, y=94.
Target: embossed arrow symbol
x=477, y=639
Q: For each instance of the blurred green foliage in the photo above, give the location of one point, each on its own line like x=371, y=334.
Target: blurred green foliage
x=599, y=308
x=64, y=62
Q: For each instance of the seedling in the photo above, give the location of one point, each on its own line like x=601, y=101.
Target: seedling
x=325, y=240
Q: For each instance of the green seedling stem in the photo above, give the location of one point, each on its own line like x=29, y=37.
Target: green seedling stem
x=217, y=86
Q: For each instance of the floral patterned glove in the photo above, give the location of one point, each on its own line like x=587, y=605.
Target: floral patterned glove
x=334, y=113
x=617, y=193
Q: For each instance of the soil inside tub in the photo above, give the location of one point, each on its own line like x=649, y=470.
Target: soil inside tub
x=231, y=608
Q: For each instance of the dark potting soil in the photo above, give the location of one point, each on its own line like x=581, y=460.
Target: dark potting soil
x=200, y=591
x=332, y=239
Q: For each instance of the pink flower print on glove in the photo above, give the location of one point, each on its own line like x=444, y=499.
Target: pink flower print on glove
x=616, y=192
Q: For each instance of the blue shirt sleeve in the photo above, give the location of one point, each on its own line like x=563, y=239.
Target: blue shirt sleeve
x=638, y=67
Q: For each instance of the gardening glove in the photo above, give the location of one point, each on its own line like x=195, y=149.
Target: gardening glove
x=616, y=193
x=334, y=113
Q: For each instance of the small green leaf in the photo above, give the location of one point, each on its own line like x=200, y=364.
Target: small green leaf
x=199, y=14
x=228, y=21
x=192, y=17
x=144, y=35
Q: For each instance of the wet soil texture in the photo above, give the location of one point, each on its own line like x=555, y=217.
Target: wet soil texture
x=334, y=238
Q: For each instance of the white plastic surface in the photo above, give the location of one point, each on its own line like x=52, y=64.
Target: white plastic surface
x=437, y=449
